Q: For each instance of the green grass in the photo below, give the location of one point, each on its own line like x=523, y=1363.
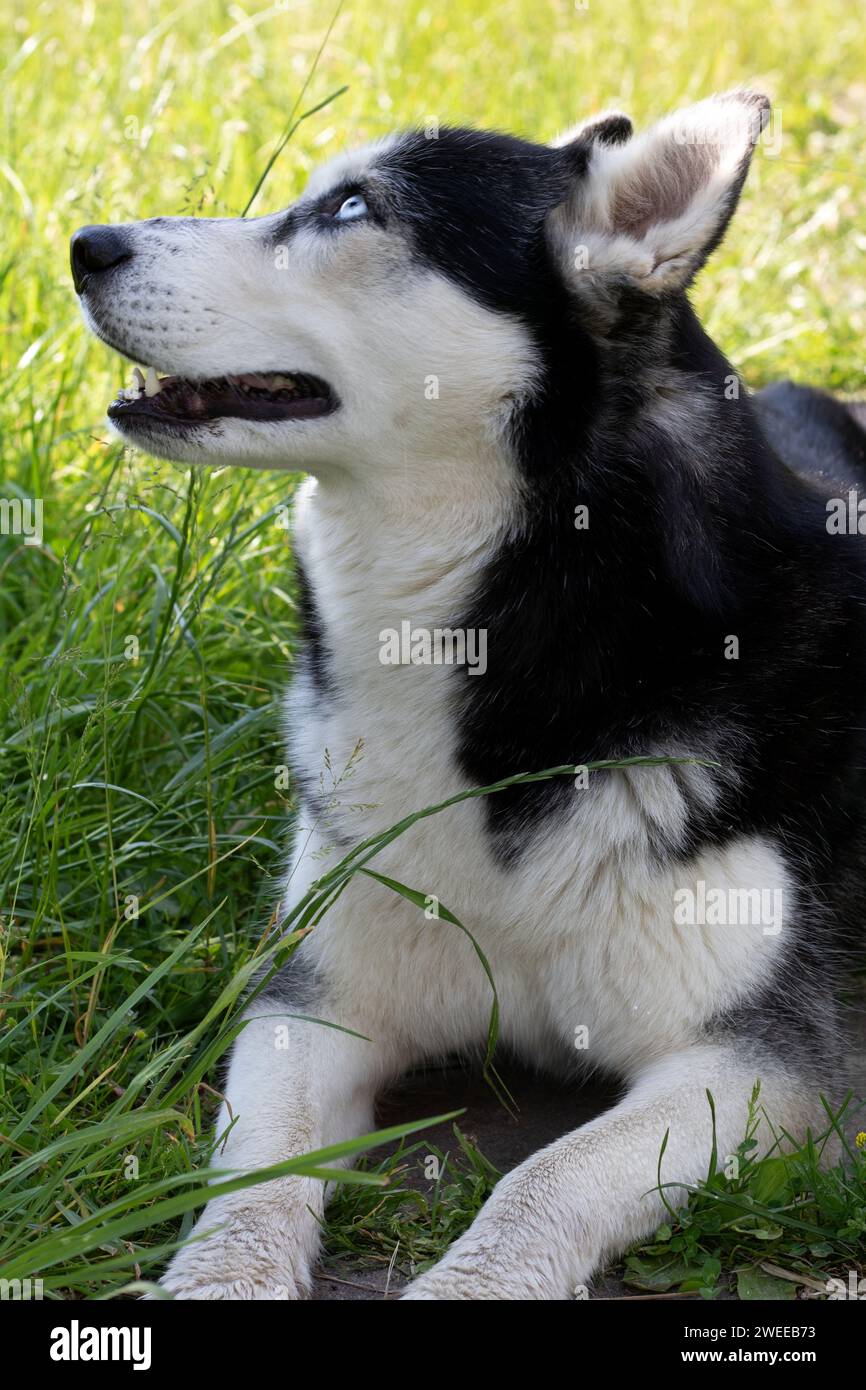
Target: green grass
x=142, y=819
x=430, y=1197
x=771, y=1226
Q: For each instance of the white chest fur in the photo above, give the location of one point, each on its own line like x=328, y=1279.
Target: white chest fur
x=581, y=932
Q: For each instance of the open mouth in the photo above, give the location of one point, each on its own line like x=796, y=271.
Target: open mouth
x=253, y=396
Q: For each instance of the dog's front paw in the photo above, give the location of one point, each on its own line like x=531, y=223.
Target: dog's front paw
x=255, y=1256
x=471, y=1271
x=478, y=1266
x=460, y=1285
x=518, y=1248
x=228, y=1285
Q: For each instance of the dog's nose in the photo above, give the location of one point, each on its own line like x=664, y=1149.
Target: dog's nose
x=94, y=249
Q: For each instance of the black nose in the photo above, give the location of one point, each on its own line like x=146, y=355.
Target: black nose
x=93, y=249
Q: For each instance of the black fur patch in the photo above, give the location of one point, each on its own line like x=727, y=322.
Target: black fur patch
x=611, y=641
x=294, y=987
x=316, y=660
x=475, y=203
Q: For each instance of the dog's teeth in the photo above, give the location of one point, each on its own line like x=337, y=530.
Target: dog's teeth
x=151, y=383
x=137, y=380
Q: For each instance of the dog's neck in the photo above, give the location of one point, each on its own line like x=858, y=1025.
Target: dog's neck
x=411, y=530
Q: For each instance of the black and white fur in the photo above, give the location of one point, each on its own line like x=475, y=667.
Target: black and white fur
x=544, y=288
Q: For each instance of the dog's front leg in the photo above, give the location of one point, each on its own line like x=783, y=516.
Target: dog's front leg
x=293, y=1086
x=553, y=1221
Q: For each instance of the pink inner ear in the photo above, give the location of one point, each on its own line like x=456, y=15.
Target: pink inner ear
x=662, y=190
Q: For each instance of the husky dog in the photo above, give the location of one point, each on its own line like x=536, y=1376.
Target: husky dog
x=482, y=351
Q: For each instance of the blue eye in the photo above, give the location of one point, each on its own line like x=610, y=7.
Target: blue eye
x=351, y=208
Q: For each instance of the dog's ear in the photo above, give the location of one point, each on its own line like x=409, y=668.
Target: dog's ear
x=611, y=128
x=648, y=211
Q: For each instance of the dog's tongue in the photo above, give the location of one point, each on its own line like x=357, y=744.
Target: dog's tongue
x=179, y=395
